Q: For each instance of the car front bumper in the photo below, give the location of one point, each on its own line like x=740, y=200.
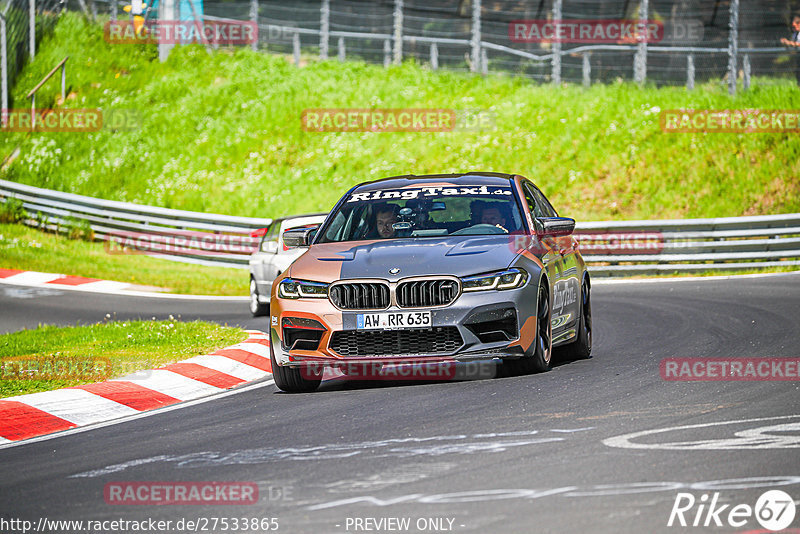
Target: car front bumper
x=481, y=325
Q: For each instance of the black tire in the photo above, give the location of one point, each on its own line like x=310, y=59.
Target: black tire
x=291, y=379
x=581, y=348
x=539, y=361
x=256, y=308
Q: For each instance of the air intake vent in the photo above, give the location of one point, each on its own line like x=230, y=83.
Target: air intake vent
x=360, y=295
x=439, y=340
x=426, y=293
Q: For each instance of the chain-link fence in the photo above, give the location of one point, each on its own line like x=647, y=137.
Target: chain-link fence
x=698, y=40
x=22, y=25
x=693, y=40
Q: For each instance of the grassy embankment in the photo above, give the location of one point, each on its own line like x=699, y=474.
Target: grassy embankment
x=222, y=133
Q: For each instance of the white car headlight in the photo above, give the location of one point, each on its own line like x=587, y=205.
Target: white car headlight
x=508, y=279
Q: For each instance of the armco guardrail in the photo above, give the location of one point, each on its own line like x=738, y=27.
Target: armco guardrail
x=611, y=248
x=209, y=239
x=690, y=245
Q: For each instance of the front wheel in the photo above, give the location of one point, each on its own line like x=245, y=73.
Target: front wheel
x=293, y=379
x=539, y=361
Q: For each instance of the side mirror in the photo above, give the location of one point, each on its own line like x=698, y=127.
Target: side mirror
x=556, y=226
x=299, y=237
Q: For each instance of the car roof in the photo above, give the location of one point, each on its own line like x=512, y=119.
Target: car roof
x=409, y=180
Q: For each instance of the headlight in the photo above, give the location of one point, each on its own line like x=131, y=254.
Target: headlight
x=295, y=289
x=508, y=279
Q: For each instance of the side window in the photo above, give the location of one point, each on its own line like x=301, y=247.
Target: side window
x=269, y=243
x=547, y=208
x=530, y=198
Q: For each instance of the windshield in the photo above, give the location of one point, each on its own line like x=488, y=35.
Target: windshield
x=426, y=211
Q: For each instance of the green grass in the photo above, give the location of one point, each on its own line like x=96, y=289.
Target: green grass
x=30, y=249
x=221, y=133
x=51, y=357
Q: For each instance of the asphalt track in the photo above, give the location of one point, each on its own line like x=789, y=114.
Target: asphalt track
x=538, y=453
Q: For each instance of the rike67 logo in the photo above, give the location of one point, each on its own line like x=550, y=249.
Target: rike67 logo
x=774, y=510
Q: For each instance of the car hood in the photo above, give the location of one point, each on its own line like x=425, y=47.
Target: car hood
x=455, y=255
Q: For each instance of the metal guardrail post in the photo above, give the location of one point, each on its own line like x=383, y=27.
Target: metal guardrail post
x=32, y=27
x=296, y=48
x=476, y=36
x=640, y=59
x=733, y=46
x=398, y=31
x=254, y=20
x=746, y=66
x=690, y=72
x=434, y=56
x=556, y=76
x=324, y=28
x=587, y=70
x=341, y=50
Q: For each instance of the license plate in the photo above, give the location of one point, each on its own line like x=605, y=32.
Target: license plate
x=393, y=321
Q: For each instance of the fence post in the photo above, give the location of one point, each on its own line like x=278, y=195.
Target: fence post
x=32, y=26
x=63, y=83
x=733, y=46
x=166, y=11
x=556, y=76
x=476, y=36
x=114, y=10
x=296, y=48
x=341, y=49
x=746, y=83
x=690, y=72
x=387, y=53
x=398, y=31
x=587, y=70
x=484, y=62
x=254, y=20
x=4, y=61
x=640, y=59
x=324, y=28
x=434, y=56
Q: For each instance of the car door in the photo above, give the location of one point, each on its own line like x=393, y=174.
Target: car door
x=549, y=252
x=566, y=293
x=267, y=251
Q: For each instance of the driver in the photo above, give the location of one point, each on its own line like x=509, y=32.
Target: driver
x=385, y=217
x=492, y=215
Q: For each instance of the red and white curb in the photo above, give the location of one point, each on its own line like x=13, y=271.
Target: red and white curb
x=37, y=414
x=80, y=283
